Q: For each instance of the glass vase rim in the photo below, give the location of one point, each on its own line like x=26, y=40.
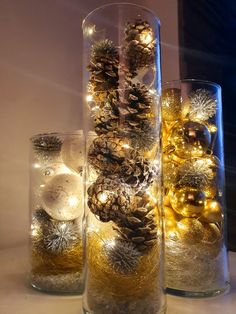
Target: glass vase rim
x=56, y=133
x=151, y=12
x=191, y=80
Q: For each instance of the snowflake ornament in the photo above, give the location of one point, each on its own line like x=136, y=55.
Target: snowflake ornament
x=202, y=105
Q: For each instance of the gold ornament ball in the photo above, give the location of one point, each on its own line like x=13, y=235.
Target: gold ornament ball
x=212, y=233
x=190, y=139
x=170, y=217
x=171, y=104
x=212, y=211
x=166, y=200
x=190, y=230
x=189, y=202
x=169, y=174
x=212, y=239
x=210, y=191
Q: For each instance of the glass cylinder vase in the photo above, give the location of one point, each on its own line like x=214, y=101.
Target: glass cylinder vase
x=56, y=205
x=124, y=247
x=194, y=204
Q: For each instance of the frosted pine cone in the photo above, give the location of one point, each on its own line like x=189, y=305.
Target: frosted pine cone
x=108, y=198
x=103, y=67
x=138, y=172
x=139, y=47
x=107, y=153
x=138, y=227
x=106, y=118
x=135, y=103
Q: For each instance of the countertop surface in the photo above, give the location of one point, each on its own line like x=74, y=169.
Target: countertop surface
x=16, y=297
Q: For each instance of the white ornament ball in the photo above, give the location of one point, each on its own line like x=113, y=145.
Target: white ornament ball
x=72, y=152
x=53, y=170
x=62, y=197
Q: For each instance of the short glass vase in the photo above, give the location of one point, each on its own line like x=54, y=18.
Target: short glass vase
x=56, y=212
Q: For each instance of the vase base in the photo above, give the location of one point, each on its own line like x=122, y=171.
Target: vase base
x=163, y=311
x=199, y=294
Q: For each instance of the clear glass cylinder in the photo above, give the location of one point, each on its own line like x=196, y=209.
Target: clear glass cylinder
x=122, y=82
x=194, y=203
x=57, y=208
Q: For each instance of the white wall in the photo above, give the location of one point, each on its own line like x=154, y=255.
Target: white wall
x=40, y=86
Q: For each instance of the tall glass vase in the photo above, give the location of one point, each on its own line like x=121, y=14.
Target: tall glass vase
x=56, y=212
x=124, y=245
x=194, y=204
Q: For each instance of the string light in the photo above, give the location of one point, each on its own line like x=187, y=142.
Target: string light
x=146, y=37
x=102, y=197
x=89, y=98
x=89, y=31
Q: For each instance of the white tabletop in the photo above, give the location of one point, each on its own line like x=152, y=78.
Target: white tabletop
x=16, y=297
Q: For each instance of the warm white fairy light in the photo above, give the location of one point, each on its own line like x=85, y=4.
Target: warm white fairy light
x=89, y=98
x=126, y=146
x=89, y=31
x=36, y=165
x=73, y=201
x=146, y=37
x=102, y=197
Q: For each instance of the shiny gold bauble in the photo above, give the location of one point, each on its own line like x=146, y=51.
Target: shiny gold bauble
x=212, y=211
x=191, y=231
x=189, y=202
x=169, y=174
x=166, y=200
x=212, y=239
x=212, y=233
x=190, y=139
x=171, y=104
x=165, y=135
x=170, y=222
x=210, y=191
x=170, y=217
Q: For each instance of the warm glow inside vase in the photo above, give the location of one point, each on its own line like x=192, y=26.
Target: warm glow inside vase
x=194, y=203
x=124, y=238
x=56, y=207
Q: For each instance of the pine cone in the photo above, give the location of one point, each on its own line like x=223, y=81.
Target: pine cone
x=139, y=227
x=108, y=198
x=106, y=118
x=103, y=67
x=138, y=172
x=135, y=104
x=142, y=137
x=140, y=46
x=107, y=153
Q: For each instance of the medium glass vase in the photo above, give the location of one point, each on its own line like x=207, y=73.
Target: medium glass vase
x=194, y=203
x=124, y=238
x=56, y=207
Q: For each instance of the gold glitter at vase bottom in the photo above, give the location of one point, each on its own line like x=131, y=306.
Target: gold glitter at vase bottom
x=194, y=268
x=57, y=273
x=109, y=291
x=62, y=283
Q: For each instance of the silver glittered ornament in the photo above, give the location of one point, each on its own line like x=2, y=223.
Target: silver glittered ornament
x=60, y=235
x=195, y=172
x=202, y=105
x=122, y=255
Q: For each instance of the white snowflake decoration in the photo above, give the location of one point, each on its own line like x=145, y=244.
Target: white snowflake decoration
x=196, y=173
x=202, y=105
x=59, y=236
